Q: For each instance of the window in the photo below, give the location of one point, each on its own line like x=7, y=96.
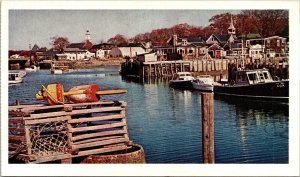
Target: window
x=184, y=42
x=191, y=51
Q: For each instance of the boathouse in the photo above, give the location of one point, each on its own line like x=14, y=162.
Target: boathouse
x=147, y=57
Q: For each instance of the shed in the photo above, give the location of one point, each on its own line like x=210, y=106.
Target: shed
x=147, y=57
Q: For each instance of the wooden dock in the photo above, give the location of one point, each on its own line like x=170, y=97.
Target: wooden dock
x=39, y=133
x=164, y=68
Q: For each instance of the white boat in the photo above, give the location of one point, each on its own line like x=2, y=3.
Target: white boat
x=22, y=73
x=182, y=80
x=32, y=68
x=14, y=78
x=203, y=83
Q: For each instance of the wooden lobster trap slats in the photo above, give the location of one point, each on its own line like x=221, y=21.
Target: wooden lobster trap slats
x=48, y=133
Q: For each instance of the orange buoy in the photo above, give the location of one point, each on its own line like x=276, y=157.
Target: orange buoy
x=88, y=96
x=54, y=93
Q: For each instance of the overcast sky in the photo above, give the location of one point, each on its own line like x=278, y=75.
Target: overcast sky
x=38, y=26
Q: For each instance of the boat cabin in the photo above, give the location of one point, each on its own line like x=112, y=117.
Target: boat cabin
x=183, y=76
x=252, y=76
x=13, y=76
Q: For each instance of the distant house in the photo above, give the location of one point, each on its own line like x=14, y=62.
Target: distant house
x=163, y=51
x=147, y=57
x=50, y=54
x=127, y=50
x=77, y=54
x=275, y=45
x=76, y=45
x=187, y=46
x=216, y=51
x=256, y=51
x=102, y=50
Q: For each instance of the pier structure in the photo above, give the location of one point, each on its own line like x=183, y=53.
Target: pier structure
x=164, y=68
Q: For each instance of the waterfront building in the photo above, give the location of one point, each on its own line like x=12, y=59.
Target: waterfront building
x=127, y=50
x=147, y=57
x=101, y=50
x=77, y=54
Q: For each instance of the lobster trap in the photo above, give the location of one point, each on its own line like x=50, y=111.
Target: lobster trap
x=44, y=134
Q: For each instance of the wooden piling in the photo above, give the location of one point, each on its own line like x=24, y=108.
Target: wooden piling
x=207, y=106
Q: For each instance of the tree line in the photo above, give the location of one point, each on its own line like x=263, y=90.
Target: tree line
x=263, y=22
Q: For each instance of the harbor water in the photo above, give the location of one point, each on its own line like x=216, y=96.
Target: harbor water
x=167, y=121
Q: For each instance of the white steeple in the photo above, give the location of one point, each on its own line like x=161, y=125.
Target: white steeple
x=87, y=35
x=231, y=28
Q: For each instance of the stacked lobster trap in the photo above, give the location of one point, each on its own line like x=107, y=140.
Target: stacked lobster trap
x=48, y=133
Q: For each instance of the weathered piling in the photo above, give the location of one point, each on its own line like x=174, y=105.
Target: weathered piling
x=207, y=106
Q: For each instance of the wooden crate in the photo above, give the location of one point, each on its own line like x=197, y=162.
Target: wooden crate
x=40, y=133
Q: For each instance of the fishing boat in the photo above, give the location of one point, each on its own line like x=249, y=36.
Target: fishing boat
x=256, y=84
x=203, y=83
x=32, y=68
x=14, y=78
x=182, y=80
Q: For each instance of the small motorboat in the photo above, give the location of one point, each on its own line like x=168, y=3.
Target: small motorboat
x=32, y=68
x=182, y=80
x=203, y=83
x=14, y=78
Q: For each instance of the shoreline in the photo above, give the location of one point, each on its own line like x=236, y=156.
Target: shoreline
x=98, y=63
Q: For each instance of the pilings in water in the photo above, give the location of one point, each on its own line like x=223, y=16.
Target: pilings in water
x=207, y=107
x=205, y=65
x=164, y=68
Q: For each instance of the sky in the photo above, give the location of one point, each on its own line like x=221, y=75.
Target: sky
x=38, y=26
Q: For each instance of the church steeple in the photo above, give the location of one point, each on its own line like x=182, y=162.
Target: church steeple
x=87, y=35
x=231, y=28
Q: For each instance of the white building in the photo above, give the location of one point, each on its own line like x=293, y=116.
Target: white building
x=77, y=54
x=147, y=57
x=256, y=51
x=126, y=51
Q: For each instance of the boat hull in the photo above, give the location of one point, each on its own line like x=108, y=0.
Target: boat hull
x=203, y=87
x=181, y=84
x=278, y=90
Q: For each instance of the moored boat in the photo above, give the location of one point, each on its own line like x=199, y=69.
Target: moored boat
x=32, y=68
x=256, y=84
x=182, y=80
x=14, y=78
x=203, y=83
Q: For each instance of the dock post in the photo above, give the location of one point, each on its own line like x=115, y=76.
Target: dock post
x=17, y=102
x=207, y=106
